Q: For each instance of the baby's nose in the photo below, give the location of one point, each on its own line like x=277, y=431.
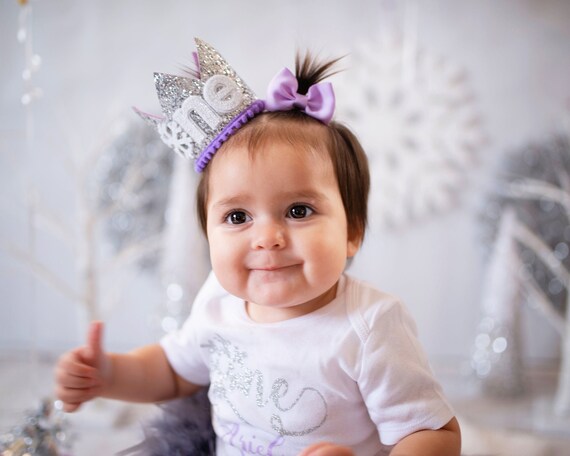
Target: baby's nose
x=269, y=235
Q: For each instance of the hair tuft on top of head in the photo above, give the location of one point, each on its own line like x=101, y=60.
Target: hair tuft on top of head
x=309, y=70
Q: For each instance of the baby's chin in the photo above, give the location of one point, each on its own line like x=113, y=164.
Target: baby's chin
x=297, y=303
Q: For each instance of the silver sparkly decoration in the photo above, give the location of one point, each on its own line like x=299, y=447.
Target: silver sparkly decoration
x=43, y=432
x=198, y=109
x=131, y=182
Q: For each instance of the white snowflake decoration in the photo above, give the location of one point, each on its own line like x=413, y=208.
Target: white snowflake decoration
x=176, y=138
x=415, y=117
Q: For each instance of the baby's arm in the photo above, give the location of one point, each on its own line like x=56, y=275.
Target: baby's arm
x=445, y=441
x=441, y=442
x=143, y=375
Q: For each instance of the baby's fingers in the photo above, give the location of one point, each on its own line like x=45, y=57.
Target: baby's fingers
x=75, y=396
x=71, y=365
x=77, y=379
x=67, y=380
x=326, y=449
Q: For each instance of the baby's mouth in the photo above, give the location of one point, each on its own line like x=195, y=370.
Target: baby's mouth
x=274, y=268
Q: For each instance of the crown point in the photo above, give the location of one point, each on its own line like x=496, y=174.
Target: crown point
x=197, y=111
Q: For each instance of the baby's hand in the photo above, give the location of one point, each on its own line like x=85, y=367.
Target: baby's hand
x=326, y=449
x=80, y=373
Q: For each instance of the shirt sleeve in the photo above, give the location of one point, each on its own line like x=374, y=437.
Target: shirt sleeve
x=396, y=381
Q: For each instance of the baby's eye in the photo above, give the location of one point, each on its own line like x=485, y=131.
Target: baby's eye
x=237, y=218
x=300, y=211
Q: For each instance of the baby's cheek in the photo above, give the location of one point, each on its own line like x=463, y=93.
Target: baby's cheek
x=231, y=277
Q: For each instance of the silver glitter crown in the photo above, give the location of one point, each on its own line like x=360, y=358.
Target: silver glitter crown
x=201, y=113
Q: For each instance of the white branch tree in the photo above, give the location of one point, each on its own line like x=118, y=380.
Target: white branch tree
x=533, y=189
x=101, y=276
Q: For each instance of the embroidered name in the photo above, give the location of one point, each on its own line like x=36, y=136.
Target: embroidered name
x=249, y=445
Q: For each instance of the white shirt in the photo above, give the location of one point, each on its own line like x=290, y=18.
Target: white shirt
x=352, y=373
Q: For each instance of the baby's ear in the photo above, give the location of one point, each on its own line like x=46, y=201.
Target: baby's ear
x=352, y=245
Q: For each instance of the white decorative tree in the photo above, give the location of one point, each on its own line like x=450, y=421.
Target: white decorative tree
x=534, y=189
x=185, y=259
x=534, y=182
x=104, y=273
x=496, y=356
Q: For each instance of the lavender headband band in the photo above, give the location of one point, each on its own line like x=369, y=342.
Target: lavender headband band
x=201, y=113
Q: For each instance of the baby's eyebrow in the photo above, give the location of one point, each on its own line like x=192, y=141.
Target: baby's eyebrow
x=231, y=201
x=313, y=195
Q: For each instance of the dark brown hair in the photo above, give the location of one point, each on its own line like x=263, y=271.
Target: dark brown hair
x=296, y=128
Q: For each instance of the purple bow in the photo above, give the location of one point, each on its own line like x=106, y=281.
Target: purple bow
x=282, y=96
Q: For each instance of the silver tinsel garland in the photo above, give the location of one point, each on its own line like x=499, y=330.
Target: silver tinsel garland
x=42, y=432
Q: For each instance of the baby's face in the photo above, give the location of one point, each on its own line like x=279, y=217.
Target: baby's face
x=277, y=229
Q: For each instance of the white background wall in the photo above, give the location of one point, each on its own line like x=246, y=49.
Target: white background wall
x=98, y=59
